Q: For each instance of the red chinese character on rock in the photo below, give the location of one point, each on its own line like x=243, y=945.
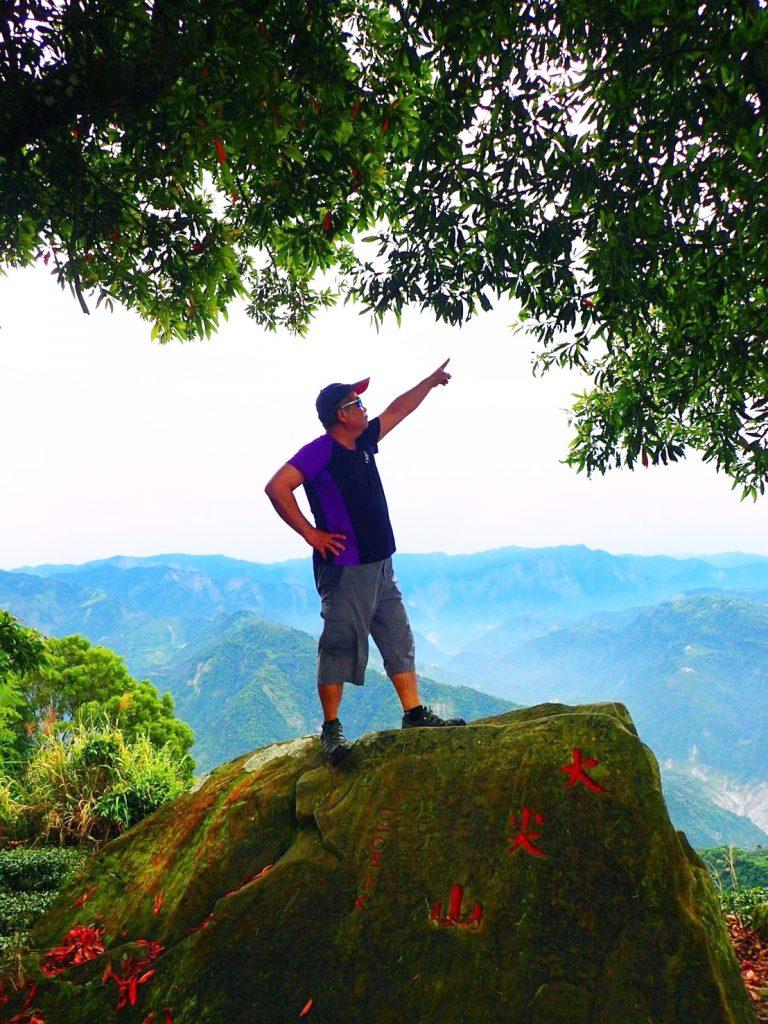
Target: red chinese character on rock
x=577, y=774
x=523, y=838
x=453, y=918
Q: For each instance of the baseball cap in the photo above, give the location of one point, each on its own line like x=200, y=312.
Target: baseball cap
x=332, y=396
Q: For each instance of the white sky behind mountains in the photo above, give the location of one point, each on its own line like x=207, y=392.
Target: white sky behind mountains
x=113, y=444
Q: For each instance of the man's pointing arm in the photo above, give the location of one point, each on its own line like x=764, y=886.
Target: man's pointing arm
x=407, y=402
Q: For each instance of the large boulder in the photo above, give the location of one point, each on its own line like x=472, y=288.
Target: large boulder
x=521, y=869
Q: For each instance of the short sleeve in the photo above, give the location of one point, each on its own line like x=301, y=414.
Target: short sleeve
x=370, y=436
x=312, y=459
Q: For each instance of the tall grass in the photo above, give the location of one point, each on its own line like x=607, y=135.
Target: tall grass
x=85, y=782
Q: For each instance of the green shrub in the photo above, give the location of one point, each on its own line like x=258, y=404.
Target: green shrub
x=39, y=869
x=743, y=903
x=84, y=782
x=30, y=880
x=20, y=910
x=735, y=868
x=740, y=878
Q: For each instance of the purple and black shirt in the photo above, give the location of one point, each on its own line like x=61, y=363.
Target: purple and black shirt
x=345, y=495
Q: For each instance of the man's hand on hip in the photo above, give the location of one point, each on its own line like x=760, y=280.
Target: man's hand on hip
x=324, y=543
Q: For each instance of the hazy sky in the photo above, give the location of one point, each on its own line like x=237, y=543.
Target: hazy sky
x=113, y=444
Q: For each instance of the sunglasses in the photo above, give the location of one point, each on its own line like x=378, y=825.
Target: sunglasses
x=358, y=402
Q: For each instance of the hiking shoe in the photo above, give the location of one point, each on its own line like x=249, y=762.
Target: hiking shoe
x=424, y=716
x=335, y=747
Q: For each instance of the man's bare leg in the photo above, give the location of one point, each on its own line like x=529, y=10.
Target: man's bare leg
x=330, y=698
x=407, y=689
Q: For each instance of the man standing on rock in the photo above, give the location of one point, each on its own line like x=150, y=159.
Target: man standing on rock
x=352, y=543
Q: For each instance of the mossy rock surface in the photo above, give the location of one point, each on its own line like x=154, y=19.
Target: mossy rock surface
x=760, y=919
x=401, y=889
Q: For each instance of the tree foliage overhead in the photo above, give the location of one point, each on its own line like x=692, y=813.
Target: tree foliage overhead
x=602, y=164
x=92, y=683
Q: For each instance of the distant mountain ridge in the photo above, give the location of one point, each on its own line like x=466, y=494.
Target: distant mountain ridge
x=523, y=625
x=452, y=599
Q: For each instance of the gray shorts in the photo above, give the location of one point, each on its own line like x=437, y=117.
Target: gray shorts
x=358, y=600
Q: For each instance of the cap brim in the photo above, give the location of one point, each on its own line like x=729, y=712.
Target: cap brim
x=361, y=385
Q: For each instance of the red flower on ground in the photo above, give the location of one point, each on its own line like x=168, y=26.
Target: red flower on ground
x=129, y=981
x=80, y=944
x=82, y=900
x=133, y=973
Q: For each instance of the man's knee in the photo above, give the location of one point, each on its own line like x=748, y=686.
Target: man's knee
x=342, y=653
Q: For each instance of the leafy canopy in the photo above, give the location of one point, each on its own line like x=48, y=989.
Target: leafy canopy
x=91, y=685
x=602, y=164
x=21, y=650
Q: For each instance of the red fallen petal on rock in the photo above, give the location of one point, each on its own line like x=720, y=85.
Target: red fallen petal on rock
x=307, y=1008
x=80, y=944
x=30, y=997
x=199, y=927
x=153, y=947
